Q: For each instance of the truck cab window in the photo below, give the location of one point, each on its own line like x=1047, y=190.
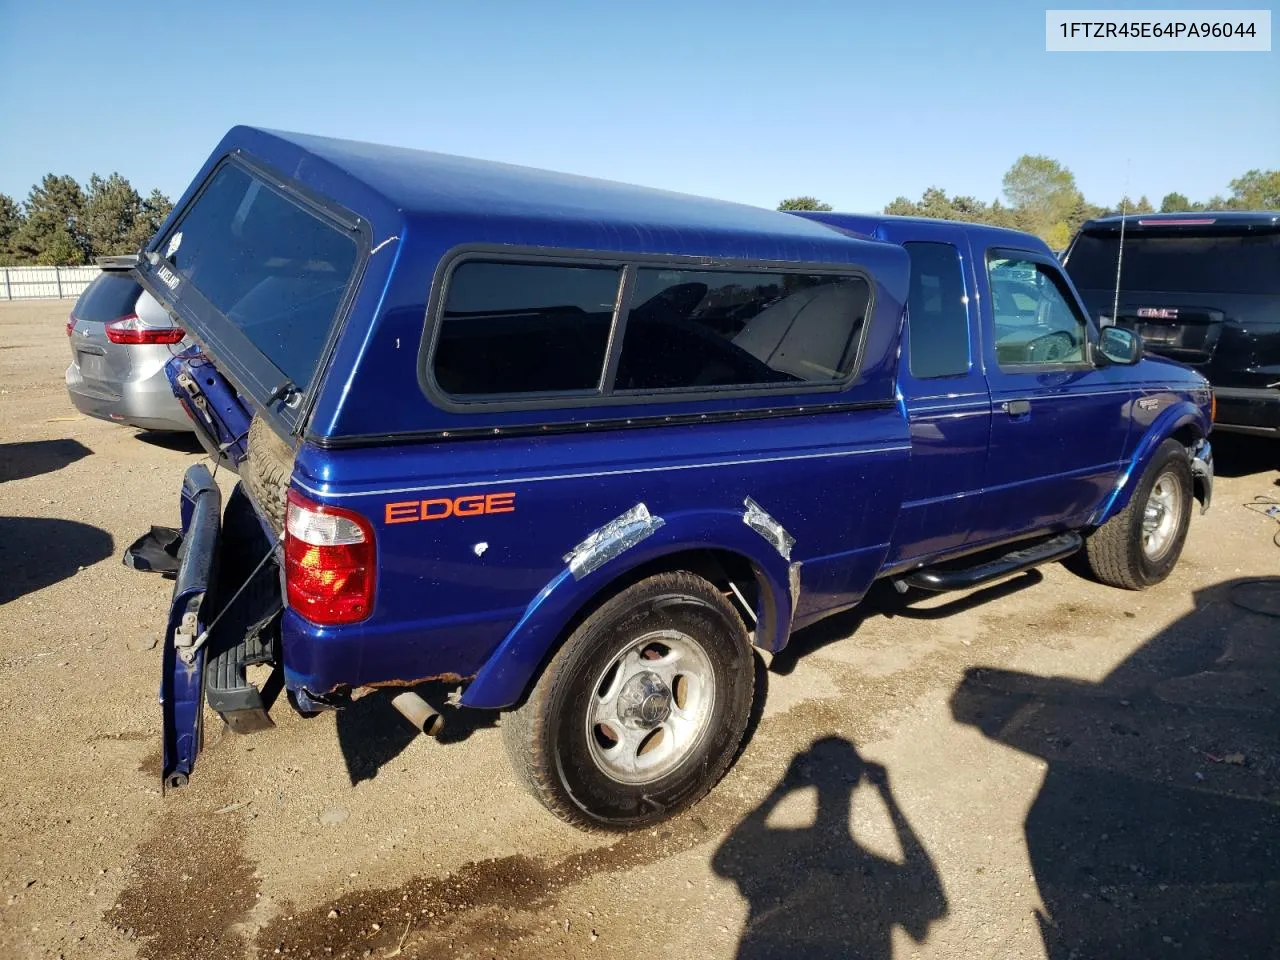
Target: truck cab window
x=937, y=312
x=1035, y=319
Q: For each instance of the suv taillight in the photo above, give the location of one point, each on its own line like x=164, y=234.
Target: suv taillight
x=328, y=562
x=71, y=323
x=133, y=329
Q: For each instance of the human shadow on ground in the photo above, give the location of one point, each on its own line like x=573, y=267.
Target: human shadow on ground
x=31, y=458
x=36, y=552
x=1157, y=830
x=814, y=891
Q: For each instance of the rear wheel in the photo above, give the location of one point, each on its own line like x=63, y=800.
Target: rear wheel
x=643, y=708
x=1139, y=546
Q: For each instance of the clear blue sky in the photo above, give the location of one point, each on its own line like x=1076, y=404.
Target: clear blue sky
x=854, y=103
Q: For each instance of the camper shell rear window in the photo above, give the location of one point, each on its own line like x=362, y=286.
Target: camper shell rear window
x=276, y=267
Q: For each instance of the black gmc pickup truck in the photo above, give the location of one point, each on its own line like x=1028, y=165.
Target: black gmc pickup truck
x=1203, y=288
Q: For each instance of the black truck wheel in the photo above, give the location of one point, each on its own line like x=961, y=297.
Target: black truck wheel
x=641, y=710
x=1139, y=546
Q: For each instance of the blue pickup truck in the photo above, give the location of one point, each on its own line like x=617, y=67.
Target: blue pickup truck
x=574, y=447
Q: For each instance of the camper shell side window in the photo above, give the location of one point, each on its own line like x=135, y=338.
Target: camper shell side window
x=508, y=330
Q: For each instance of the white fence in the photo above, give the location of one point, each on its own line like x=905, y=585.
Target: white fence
x=44, y=283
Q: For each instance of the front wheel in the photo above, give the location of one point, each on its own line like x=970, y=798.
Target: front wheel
x=1139, y=546
x=641, y=710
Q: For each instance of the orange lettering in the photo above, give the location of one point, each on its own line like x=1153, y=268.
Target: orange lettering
x=404, y=512
x=427, y=505
x=500, y=503
x=468, y=506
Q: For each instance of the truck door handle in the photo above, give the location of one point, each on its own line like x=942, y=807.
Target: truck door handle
x=1016, y=408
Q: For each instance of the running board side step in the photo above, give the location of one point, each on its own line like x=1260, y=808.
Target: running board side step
x=1016, y=561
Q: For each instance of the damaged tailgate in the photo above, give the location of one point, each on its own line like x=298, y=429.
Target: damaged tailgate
x=182, y=670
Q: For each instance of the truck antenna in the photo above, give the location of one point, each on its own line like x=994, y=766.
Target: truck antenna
x=1124, y=209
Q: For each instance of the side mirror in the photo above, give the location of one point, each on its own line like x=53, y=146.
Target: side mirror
x=1119, y=345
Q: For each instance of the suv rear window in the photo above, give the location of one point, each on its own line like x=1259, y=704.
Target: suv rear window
x=1208, y=263
x=275, y=269
x=696, y=329
x=108, y=297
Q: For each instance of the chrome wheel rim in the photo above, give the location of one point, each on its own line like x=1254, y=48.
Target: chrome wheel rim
x=650, y=708
x=1161, y=516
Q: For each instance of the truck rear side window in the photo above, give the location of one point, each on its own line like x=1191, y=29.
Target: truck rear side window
x=270, y=266
x=694, y=329
x=937, y=312
x=522, y=328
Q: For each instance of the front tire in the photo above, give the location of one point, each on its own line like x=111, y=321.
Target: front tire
x=641, y=710
x=1139, y=546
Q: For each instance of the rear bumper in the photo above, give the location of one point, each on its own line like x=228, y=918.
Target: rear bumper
x=1244, y=410
x=148, y=404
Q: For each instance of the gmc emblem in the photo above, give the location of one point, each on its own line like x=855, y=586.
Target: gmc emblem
x=1158, y=313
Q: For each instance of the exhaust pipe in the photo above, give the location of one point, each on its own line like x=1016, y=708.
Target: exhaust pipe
x=419, y=713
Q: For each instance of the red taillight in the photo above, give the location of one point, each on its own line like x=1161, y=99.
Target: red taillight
x=328, y=562
x=71, y=323
x=133, y=329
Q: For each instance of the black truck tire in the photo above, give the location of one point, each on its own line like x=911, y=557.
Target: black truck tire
x=1120, y=552
x=641, y=711
x=267, y=470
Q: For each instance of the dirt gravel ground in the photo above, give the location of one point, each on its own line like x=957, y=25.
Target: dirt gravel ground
x=1064, y=770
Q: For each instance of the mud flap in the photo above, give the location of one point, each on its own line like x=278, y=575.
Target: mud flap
x=182, y=670
x=155, y=552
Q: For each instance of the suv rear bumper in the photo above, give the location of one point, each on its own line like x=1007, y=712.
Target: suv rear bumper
x=1245, y=410
x=148, y=404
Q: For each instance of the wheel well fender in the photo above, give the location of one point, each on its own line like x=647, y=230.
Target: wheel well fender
x=1182, y=421
x=716, y=544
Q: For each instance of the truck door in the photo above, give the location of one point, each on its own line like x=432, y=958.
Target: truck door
x=1059, y=424
x=946, y=396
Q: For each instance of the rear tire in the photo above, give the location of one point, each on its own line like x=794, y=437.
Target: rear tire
x=1139, y=546
x=641, y=711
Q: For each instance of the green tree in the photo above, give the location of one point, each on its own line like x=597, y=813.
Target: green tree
x=900, y=207
x=111, y=211
x=10, y=222
x=935, y=203
x=1042, y=193
x=803, y=203
x=1256, y=190
x=1176, y=203
x=53, y=231
x=155, y=208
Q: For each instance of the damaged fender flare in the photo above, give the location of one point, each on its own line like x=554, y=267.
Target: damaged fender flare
x=514, y=664
x=1172, y=419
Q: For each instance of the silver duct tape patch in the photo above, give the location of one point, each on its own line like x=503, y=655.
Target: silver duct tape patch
x=614, y=538
x=769, y=528
x=793, y=580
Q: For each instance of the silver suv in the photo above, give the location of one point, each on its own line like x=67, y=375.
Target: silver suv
x=121, y=339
